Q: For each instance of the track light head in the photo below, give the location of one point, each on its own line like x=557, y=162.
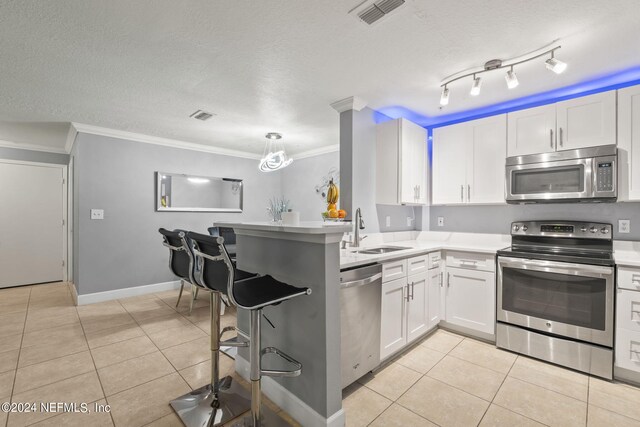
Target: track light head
x=555, y=65
x=444, y=97
x=475, y=88
x=512, y=79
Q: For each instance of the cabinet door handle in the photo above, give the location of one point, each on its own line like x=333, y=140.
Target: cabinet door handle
x=412, y=290
x=560, y=137
x=448, y=279
x=462, y=193
x=441, y=281
x=468, y=192
x=408, y=295
x=551, y=138
x=419, y=192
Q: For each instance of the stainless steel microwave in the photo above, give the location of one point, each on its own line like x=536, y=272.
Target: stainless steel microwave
x=586, y=174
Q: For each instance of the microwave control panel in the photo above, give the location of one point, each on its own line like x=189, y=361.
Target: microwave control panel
x=604, y=176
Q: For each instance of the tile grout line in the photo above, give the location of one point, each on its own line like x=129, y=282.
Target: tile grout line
x=96, y=368
x=15, y=374
x=498, y=390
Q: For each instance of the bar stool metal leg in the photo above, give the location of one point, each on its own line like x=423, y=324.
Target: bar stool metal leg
x=260, y=416
x=180, y=294
x=221, y=400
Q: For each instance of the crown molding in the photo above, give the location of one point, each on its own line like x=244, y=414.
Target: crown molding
x=71, y=138
x=351, y=103
x=316, y=152
x=156, y=140
x=32, y=147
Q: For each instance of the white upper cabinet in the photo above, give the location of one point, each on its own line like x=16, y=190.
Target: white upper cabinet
x=532, y=131
x=487, y=154
x=449, y=168
x=629, y=143
x=401, y=163
x=582, y=122
x=469, y=161
x=587, y=121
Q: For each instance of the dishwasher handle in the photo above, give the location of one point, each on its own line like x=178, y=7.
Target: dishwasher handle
x=361, y=282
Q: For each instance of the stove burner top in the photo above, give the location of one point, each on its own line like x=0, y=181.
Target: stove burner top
x=563, y=241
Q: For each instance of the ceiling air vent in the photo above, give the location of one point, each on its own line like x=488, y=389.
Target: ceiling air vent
x=202, y=115
x=378, y=10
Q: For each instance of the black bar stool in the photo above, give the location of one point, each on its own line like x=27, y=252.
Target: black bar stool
x=221, y=400
x=181, y=263
x=252, y=294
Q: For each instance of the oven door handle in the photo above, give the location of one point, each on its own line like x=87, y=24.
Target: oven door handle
x=556, y=267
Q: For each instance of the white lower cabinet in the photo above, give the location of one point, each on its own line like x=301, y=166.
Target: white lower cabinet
x=434, y=299
x=393, y=331
x=417, y=306
x=470, y=299
x=627, y=343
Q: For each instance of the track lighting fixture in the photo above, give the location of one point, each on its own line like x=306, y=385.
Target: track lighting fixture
x=512, y=79
x=475, y=88
x=555, y=65
x=552, y=64
x=444, y=97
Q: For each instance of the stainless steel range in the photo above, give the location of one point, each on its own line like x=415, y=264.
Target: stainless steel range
x=556, y=294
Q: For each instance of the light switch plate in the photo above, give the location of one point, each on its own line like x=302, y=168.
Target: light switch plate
x=440, y=221
x=409, y=221
x=387, y=221
x=97, y=213
x=624, y=226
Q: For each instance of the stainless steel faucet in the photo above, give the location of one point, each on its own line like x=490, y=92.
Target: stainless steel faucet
x=358, y=225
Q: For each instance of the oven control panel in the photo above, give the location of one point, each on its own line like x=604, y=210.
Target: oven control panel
x=588, y=230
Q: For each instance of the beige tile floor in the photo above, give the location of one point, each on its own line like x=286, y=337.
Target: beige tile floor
x=138, y=353
x=450, y=380
x=135, y=354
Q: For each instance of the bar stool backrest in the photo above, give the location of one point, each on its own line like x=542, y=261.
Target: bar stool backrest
x=215, y=269
x=181, y=259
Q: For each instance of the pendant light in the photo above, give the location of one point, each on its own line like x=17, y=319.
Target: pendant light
x=555, y=65
x=274, y=156
x=475, y=88
x=444, y=97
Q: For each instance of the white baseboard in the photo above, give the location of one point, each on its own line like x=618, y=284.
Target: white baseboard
x=296, y=408
x=127, y=292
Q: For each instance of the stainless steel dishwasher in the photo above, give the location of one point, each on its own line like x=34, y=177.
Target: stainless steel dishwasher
x=360, y=298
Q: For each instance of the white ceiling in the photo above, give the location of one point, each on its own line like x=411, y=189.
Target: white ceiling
x=275, y=65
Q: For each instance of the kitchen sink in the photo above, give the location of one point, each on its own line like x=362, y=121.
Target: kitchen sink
x=381, y=250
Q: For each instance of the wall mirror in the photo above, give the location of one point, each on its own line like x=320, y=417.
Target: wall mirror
x=191, y=193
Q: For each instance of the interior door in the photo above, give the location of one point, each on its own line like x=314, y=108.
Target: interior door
x=31, y=227
x=531, y=131
x=449, y=165
x=587, y=121
x=488, y=152
x=417, y=308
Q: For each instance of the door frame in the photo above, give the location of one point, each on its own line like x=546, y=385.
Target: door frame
x=65, y=208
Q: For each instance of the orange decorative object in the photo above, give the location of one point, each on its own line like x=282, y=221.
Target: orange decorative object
x=333, y=213
x=342, y=213
x=331, y=206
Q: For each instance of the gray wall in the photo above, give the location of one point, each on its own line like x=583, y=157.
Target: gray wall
x=498, y=219
x=300, y=179
x=33, y=156
x=125, y=249
x=358, y=174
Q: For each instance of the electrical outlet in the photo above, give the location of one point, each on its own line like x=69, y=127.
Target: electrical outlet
x=409, y=221
x=440, y=221
x=624, y=226
x=97, y=213
x=387, y=221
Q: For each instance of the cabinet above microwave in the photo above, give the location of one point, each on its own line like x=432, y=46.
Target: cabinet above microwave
x=584, y=175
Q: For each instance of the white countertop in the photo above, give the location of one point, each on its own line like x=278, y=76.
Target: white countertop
x=626, y=253
x=305, y=227
x=423, y=242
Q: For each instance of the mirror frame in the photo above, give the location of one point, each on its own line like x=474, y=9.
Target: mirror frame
x=160, y=208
